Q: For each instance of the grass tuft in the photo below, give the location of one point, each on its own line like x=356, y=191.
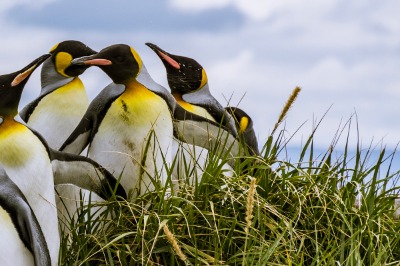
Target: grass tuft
x=334, y=206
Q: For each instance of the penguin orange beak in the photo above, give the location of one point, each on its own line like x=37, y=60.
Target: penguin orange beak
x=164, y=55
x=27, y=71
x=91, y=61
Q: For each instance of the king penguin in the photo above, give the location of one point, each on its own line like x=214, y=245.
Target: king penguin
x=58, y=109
x=188, y=82
x=35, y=168
x=63, y=100
x=244, y=126
x=128, y=126
x=22, y=241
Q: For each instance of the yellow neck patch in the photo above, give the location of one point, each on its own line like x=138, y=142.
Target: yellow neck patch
x=192, y=108
x=244, y=122
x=187, y=106
x=137, y=106
x=9, y=125
x=63, y=60
x=137, y=58
x=204, y=78
x=15, y=142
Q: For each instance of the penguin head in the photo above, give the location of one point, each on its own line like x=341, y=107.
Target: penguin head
x=11, y=86
x=120, y=62
x=242, y=120
x=64, y=52
x=184, y=74
x=244, y=125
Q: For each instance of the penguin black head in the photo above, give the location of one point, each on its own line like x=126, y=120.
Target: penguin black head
x=64, y=52
x=184, y=74
x=11, y=86
x=120, y=62
x=242, y=120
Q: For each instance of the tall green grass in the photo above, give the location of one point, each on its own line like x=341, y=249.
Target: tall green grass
x=322, y=209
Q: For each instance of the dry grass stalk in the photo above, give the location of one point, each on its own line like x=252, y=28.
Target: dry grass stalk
x=287, y=106
x=250, y=204
x=171, y=239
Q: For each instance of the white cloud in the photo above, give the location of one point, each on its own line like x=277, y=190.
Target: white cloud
x=32, y=4
x=341, y=53
x=258, y=9
x=197, y=6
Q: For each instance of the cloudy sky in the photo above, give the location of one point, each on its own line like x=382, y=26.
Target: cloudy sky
x=344, y=54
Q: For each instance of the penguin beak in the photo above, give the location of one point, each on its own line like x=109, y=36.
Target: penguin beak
x=27, y=71
x=164, y=55
x=91, y=61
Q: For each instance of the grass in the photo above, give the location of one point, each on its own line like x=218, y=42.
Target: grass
x=323, y=209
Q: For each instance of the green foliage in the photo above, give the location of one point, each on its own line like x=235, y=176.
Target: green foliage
x=323, y=209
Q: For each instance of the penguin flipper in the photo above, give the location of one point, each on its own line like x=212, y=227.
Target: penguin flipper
x=84, y=173
x=80, y=137
x=87, y=127
x=13, y=201
x=26, y=112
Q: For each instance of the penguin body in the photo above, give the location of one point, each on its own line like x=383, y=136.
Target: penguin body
x=24, y=155
x=63, y=100
x=188, y=82
x=128, y=126
x=58, y=109
x=59, y=112
x=22, y=241
x=136, y=117
x=33, y=166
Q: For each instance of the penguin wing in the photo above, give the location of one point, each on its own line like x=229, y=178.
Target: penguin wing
x=84, y=173
x=89, y=124
x=204, y=99
x=13, y=201
x=26, y=112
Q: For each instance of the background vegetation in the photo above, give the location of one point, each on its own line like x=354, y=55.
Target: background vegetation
x=329, y=208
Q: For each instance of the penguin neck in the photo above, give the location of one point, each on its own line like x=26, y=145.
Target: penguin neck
x=51, y=79
x=146, y=80
x=8, y=125
x=5, y=120
x=199, y=96
x=8, y=113
x=187, y=106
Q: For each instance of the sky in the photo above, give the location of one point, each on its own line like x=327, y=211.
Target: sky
x=345, y=55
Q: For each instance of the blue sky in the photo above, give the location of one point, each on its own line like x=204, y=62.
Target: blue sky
x=344, y=54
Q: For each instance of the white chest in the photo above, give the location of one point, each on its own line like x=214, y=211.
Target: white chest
x=133, y=138
x=58, y=113
x=12, y=250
